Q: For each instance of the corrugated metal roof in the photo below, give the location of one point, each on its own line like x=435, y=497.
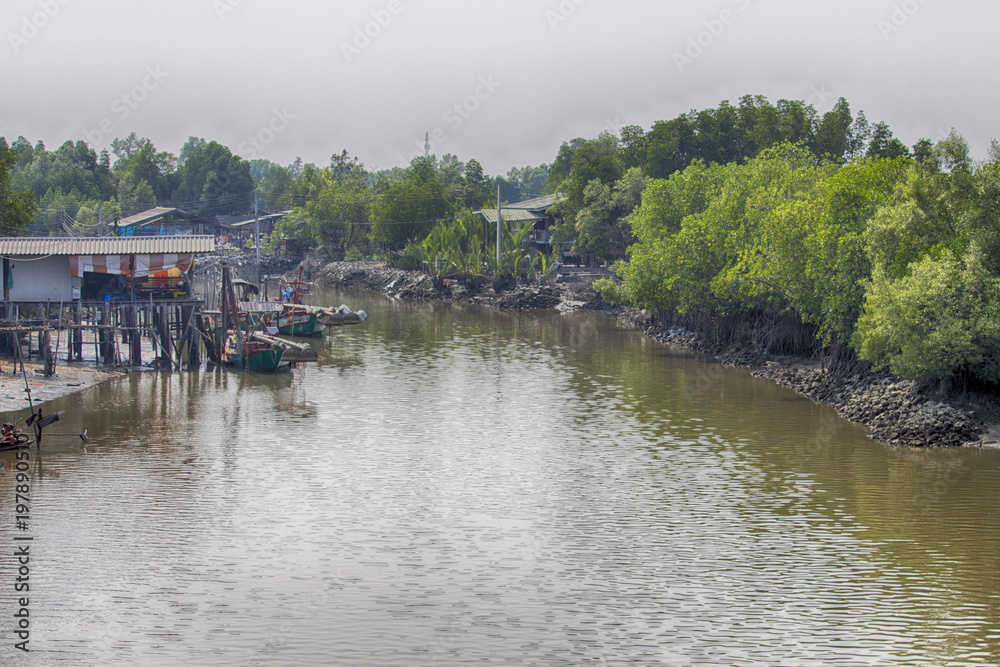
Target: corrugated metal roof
x=106, y=245
x=263, y=218
x=259, y=307
x=510, y=215
x=154, y=214
x=145, y=216
x=538, y=203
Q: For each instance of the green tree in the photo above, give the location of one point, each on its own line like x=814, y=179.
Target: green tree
x=576, y=167
x=883, y=144
x=17, y=209
x=211, y=180
x=602, y=225
x=633, y=146
x=146, y=165
x=833, y=133
x=339, y=217
x=941, y=318
x=407, y=209
x=275, y=188
x=676, y=253
x=983, y=219
x=479, y=188
x=297, y=226
x=522, y=183
x=670, y=147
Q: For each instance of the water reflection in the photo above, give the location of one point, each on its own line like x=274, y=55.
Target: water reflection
x=454, y=485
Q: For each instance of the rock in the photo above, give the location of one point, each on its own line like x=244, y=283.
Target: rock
x=530, y=297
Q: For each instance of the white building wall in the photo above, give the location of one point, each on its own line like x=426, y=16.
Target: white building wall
x=42, y=280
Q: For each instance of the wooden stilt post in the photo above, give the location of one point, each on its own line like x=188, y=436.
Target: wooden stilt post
x=47, y=354
x=95, y=318
x=165, y=344
x=76, y=349
x=135, y=336
x=107, y=336
x=189, y=339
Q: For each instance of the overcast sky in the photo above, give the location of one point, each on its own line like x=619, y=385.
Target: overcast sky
x=502, y=82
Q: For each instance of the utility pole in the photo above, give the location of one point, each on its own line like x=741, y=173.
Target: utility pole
x=427, y=145
x=499, y=220
x=256, y=233
x=100, y=219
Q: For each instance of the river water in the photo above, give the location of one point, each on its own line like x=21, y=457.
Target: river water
x=456, y=486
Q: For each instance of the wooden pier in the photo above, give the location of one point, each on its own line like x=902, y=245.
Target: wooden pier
x=179, y=332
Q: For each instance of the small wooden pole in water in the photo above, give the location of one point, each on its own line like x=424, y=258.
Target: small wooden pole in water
x=47, y=355
x=135, y=336
x=97, y=342
x=76, y=338
x=55, y=355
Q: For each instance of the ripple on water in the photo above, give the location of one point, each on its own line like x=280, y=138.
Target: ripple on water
x=446, y=491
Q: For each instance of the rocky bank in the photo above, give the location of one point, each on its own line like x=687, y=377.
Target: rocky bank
x=566, y=295
x=897, y=412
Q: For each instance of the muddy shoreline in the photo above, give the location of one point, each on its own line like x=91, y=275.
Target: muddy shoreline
x=68, y=379
x=897, y=412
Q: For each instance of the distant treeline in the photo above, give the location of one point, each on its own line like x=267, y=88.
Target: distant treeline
x=747, y=210
x=335, y=207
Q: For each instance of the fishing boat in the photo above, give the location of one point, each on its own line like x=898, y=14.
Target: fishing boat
x=11, y=438
x=252, y=344
x=245, y=350
x=298, y=319
x=299, y=323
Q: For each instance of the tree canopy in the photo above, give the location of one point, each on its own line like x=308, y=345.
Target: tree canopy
x=16, y=208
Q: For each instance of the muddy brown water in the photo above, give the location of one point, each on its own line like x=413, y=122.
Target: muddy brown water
x=456, y=486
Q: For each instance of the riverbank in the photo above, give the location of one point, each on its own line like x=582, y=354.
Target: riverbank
x=563, y=294
x=897, y=412
x=67, y=380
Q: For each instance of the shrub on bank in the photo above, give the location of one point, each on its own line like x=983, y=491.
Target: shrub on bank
x=411, y=258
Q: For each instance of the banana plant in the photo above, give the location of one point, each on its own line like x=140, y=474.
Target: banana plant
x=546, y=266
x=438, y=255
x=515, y=260
x=454, y=248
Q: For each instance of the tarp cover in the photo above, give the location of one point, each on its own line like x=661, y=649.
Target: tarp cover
x=122, y=264
x=147, y=264
x=114, y=264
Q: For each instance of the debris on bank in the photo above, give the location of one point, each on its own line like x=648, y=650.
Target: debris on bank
x=566, y=295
